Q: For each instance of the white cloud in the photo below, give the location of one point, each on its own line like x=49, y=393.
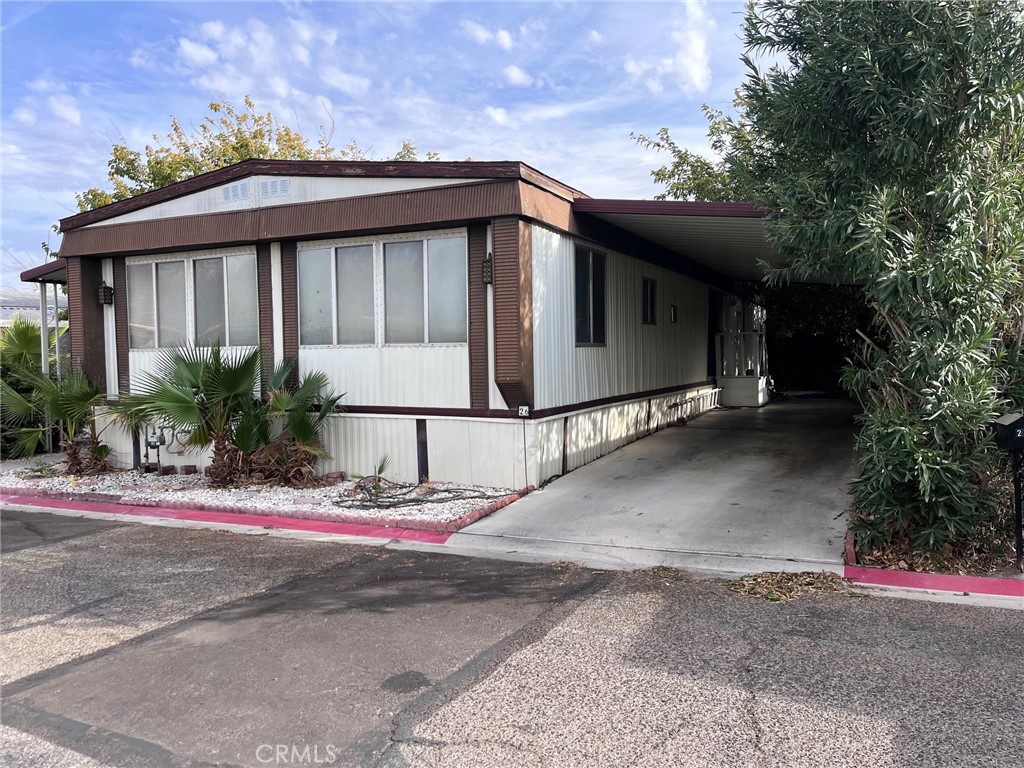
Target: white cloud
x=142, y=58
x=42, y=85
x=482, y=35
x=301, y=54
x=516, y=76
x=476, y=32
x=353, y=85
x=595, y=36
x=279, y=87
x=24, y=116
x=498, y=115
x=212, y=30
x=64, y=106
x=689, y=64
x=196, y=54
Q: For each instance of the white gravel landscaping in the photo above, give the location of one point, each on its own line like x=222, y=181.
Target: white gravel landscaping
x=429, y=502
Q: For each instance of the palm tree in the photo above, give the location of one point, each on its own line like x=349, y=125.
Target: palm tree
x=70, y=403
x=19, y=344
x=201, y=391
x=281, y=437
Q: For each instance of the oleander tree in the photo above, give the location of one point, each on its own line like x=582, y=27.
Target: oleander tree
x=888, y=147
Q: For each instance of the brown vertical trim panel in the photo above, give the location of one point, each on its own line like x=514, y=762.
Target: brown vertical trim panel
x=290, y=299
x=513, y=374
x=121, y=325
x=85, y=319
x=265, y=302
x=478, y=384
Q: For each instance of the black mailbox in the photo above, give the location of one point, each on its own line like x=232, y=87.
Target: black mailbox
x=1010, y=432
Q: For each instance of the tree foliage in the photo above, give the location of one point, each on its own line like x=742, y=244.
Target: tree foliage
x=888, y=151
x=226, y=136
x=690, y=176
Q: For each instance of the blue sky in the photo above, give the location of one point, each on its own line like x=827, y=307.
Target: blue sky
x=557, y=85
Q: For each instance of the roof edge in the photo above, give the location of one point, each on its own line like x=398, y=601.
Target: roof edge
x=670, y=208
x=43, y=271
x=466, y=169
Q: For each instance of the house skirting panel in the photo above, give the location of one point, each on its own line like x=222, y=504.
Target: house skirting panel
x=495, y=452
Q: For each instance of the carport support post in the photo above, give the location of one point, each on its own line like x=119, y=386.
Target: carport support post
x=1018, y=481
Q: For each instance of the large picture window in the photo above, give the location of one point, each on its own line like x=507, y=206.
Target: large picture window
x=201, y=301
x=389, y=291
x=590, y=297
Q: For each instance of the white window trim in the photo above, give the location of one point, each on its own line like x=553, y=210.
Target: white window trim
x=379, y=309
x=189, y=257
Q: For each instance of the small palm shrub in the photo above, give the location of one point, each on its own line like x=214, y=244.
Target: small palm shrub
x=210, y=394
x=69, y=403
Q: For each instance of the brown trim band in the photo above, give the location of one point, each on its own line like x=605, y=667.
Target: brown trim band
x=543, y=413
x=349, y=216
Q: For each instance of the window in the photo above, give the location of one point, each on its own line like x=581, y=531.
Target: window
x=225, y=301
x=223, y=308
x=391, y=291
x=590, y=300
x=649, y=315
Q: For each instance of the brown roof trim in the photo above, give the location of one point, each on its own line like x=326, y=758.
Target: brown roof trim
x=670, y=208
x=325, y=168
x=346, y=216
x=47, y=273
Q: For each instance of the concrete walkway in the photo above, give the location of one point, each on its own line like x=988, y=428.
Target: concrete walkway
x=737, y=491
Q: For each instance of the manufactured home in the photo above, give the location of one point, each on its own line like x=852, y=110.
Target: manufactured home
x=487, y=323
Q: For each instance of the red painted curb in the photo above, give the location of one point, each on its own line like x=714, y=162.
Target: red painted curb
x=938, y=582
x=849, y=548
x=232, y=518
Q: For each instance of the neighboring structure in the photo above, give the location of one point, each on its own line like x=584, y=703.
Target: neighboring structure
x=488, y=323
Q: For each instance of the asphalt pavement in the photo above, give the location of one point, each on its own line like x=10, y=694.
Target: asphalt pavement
x=136, y=646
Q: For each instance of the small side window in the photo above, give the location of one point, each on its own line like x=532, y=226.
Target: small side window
x=590, y=297
x=650, y=302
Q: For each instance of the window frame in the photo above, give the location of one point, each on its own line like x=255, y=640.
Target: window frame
x=188, y=259
x=591, y=294
x=378, y=242
x=649, y=301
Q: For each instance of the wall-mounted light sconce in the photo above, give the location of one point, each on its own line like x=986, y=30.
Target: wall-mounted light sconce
x=487, y=270
x=106, y=294
x=673, y=314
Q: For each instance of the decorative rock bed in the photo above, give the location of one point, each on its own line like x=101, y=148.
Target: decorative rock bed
x=431, y=506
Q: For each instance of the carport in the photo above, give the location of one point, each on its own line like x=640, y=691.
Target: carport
x=738, y=490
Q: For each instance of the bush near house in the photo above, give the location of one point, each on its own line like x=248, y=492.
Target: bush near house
x=889, y=153
x=209, y=393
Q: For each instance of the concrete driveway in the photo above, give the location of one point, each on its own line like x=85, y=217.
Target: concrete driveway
x=737, y=491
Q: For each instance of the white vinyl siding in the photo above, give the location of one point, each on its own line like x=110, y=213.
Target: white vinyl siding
x=635, y=357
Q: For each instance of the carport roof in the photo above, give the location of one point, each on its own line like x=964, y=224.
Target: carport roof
x=726, y=237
